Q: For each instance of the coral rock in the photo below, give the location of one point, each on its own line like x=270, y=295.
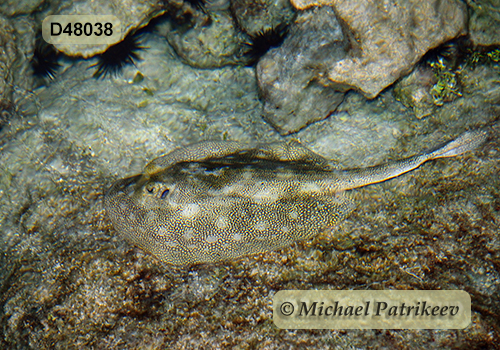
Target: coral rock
x=289, y=76
x=388, y=38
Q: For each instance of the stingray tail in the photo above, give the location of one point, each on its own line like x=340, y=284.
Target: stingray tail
x=354, y=178
x=465, y=142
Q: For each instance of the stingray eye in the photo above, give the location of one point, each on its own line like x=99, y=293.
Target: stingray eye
x=150, y=189
x=164, y=194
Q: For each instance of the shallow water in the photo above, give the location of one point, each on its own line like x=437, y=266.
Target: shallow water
x=68, y=281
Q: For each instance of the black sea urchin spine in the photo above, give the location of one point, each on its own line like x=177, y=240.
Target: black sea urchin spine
x=45, y=60
x=119, y=55
x=264, y=40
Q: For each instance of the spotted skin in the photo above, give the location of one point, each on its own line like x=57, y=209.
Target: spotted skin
x=217, y=200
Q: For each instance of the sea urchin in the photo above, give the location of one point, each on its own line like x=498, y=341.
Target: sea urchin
x=264, y=40
x=117, y=56
x=45, y=59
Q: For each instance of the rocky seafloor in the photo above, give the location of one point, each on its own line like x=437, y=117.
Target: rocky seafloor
x=68, y=281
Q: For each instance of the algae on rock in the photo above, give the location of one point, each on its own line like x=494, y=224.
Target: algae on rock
x=387, y=39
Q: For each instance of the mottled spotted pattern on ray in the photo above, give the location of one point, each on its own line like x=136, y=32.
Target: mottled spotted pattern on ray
x=218, y=200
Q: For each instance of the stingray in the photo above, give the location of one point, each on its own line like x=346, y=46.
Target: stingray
x=219, y=200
